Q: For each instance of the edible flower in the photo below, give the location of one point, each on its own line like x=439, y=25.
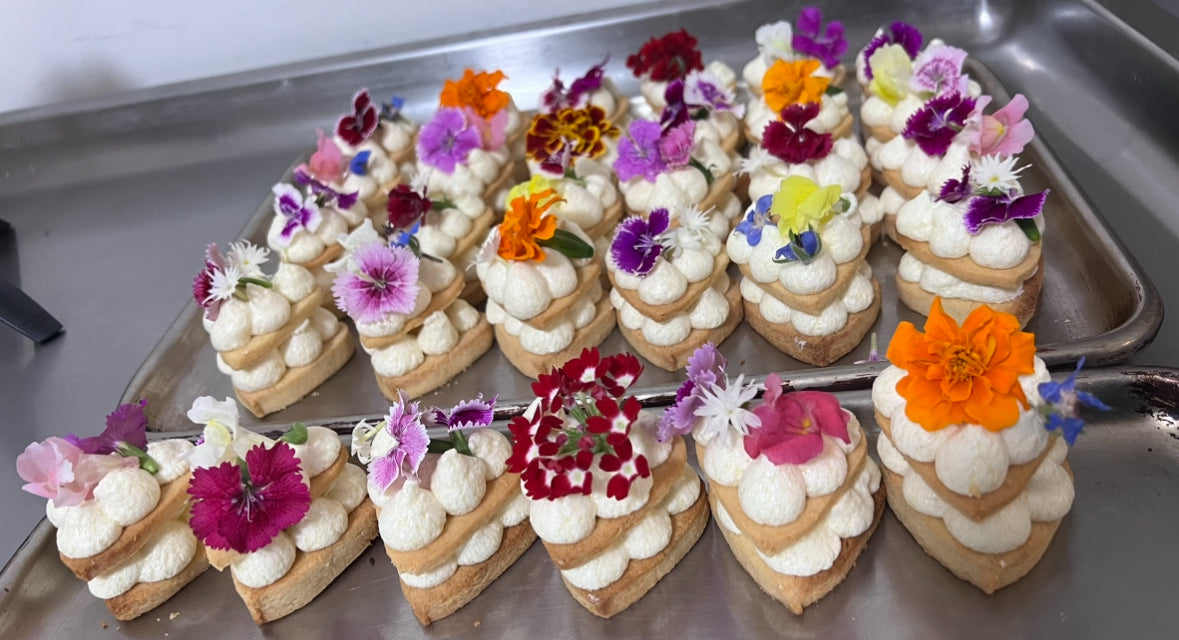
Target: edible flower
x=357, y=127
x=221, y=280
x=557, y=139
x=906, y=36
x=404, y=448
x=934, y=126
x=446, y=140
x=787, y=83
x=708, y=402
x=385, y=281
x=813, y=41
x=873, y=352
x=800, y=247
x=358, y=165
x=222, y=438
x=243, y=505
x=669, y=57
x=775, y=41
x=793, y=424
x=125, y=434
x=799, y=203
x=938, y=70
x=578, y=419
x=406, y=207
x=992, y=186
x=58, y=470
x=1064, y=403
x=391, y=110
x=526, y=224
x=705, y=91
x=755, y=219
x=327, y=162
x=963, y=374
x=299, y=212
x=477, y=92
x=325, y=195
x=639, y=242
x=557, y=97
x=649, y=150
x=248, y=257
x=893, y=69
x=789, y=140
x=1005, y=132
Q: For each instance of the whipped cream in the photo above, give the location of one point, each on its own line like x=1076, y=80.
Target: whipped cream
x=558, y=336
x=472, y=178
x=266, y=565
x=941, y=224
x=859, y=296
x=163, y=557
x=680, y=188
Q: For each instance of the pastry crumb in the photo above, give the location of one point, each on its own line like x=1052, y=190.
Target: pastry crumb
x=477, y=623
x=173, y=615
x=104, y=625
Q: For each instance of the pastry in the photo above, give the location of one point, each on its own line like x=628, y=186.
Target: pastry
x=660, y=164
x=407, y=310
x=806, y=282
x=670, y=286
x=452, y=522
x=544, y=292
x=593, y=89
x=373, y=140
x=273, y=337
x=466, y=148
x=789, y=482
x=119, y=506
x=565, y=149
x=973, y=469
x=286, y=516
x=806, y=39
x=789, y=148
x=617, y=510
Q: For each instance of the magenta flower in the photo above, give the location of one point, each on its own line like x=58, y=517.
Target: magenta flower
x=675, y=147
x=902, y=33
x=938, y=70
x=1003, y=133
x=385, y=281
x=556, y=97
x=244, y=507
x=410, y=443
x=356, y=127
x=202, y=284
x=468, y=414
x=125, y=425
x=446, y=140
x=638, y=152
x=793, y=424
x=934, y=125
x=59, y=471
x=324, y=195
x=299, y=212
x=706, y=368
x=492, y=131
x=811, y=40
x=997, y=209
x=790, y=141
x=638, y=244
x=957, y=190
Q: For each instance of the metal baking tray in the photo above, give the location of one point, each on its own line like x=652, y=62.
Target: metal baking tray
x=1096, y=301
x=1119, y=535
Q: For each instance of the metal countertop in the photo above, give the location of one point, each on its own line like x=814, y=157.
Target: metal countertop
x=112, y=201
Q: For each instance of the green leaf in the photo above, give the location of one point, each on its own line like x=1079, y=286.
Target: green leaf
x=708, y=177
x=1028, y=226
x=442, y=205
x=439, y=446
x=297, y=434
x=568, y=244
x=415, y=246
x=833, y=90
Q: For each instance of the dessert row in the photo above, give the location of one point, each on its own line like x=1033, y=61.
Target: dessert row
x=542, y=234
x=973, y=438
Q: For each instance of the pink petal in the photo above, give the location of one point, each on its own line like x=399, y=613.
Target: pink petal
x=1017, y=137
x=773, y=389
x=824, y=409
x=795, y=450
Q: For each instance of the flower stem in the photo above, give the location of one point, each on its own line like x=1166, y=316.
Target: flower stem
x=439, y=446
x=459, y=440
x=146, y=462
x=442, y=205
x=1028, y=226
x=708, y=177
x=261, y=283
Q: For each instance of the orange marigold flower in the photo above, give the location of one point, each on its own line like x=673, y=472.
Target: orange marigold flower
x=788, y=83
x=967, y=374
x=477, y=92
x=524, y=223
x=583, y=131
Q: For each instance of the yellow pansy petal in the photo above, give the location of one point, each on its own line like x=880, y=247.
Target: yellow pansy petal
x=817, y=206
x=891, y=69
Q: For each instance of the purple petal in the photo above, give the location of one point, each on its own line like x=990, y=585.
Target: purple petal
x=472, y=414
x=809, y=21
x=658, y=221
x=384, y=471
x=984, y=210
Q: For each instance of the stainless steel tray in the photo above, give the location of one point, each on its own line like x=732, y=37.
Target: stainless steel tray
x=1119, y=536
x=1096, y=302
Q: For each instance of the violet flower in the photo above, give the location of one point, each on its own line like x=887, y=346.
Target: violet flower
x=385, y=281
x=638, y=152
x=243, y=509
x=300, y=212
x=703, y=89
x=938, y=70
x=1065, y=403
x=324, y=195
x=125, y=434
x=557, y=97
x=410, y=439
x=956, y=190
x=757, y=218
x=997, y=209
x=934, y=126
x=446, y=140
x=811, y=40
x=675, y=110
x=902, y=33
x=706, y=368
x=675, y=146
x=467, y=414
x=638, y=244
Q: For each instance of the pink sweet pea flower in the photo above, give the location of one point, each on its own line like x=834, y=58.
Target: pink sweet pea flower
x=793, y=424
x=1003, y=133
x=327, y=163
x=61, y=472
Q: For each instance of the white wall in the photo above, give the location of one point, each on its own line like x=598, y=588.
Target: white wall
x=63, y=50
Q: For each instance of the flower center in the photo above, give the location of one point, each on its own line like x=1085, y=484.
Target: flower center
x=962, y=364
x=807, y=424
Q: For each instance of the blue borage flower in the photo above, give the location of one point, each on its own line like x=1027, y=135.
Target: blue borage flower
x=802, y=247
x=755, y=220
x=391, y=110
x=1064, y=402
x=359, y=164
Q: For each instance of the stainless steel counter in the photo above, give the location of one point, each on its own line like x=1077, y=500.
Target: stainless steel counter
x=113, y=202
